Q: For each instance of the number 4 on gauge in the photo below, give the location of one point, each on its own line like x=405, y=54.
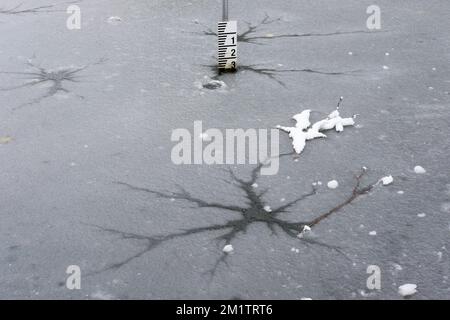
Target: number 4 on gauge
x=227, y=36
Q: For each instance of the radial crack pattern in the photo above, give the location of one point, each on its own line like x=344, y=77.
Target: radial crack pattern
x=252, y=32
x=256, y=211
x=53, y=78
x=272, y=73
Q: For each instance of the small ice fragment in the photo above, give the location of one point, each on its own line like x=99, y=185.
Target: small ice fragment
x=419, y=170
x=333, y=184
x=385, y=67
x=267, y=209
x=228, y=248
x=421, y=215
x=430, y=88
x=269, y=35
x=114, y=20
x=373, y=233
x=407, y=289
x=282, y=200
x=386, y=54
x=387, y=180
x=434, y=69
x=319, y=183
x=305, y=298
x=255, y=185
x=350, y=53
x=400, y=192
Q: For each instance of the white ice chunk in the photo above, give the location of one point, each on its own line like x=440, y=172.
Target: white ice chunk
x=419, y=170
x=228, y=248
x=407, y=289
x=387, y=180
x=333, y=184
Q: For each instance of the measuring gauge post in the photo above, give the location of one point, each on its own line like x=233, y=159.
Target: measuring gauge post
x=227, y=37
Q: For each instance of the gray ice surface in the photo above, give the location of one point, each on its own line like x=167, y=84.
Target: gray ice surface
x=106, y=113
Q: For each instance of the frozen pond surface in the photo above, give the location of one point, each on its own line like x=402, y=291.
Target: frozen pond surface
x=86, y=176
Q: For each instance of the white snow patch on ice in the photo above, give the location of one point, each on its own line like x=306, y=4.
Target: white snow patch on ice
x=267, y=209
x=419, y=170
x=114, y=20
x=228, y=248
x=387, y=180
x=303, y=131
x=333, y=184
x=421, y=215
x=408, y=289
x=373, y=233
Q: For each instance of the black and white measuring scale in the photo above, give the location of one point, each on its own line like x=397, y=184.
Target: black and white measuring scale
x=227, y=38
